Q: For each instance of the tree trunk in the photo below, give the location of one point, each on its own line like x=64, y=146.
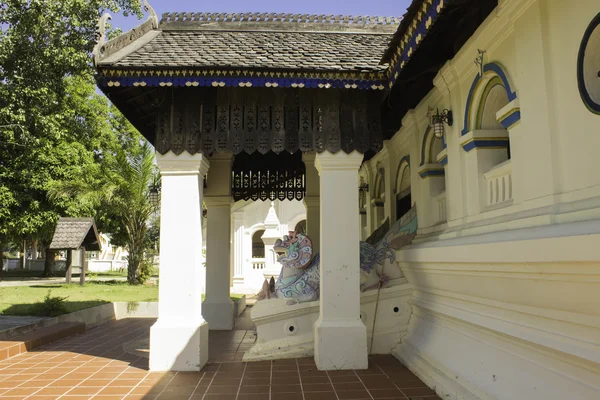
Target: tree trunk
x=49, y=263
x=1, y=261
x=133, y=264
x=23, y=257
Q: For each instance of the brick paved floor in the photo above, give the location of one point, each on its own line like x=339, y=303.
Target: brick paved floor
x=95, y=366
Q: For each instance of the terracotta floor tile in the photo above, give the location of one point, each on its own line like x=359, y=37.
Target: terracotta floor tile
x=125, y=382
x=317, y=387
x=254, y=389
x=353, y=394
x=20, y=392
x=345, y=378
x=90, y=382
x=79, y=391
x=111, y=391
x=387, y=394
x=251, y=397
x=222, y=390
x=36, y=383
x=220, y=397
x=307, y=380
x=418, y=392
x=320, y=396
x=179, y=390
x=348, y=386
x=53, y=391
x=286, y=389
x=406, y=384
x=255, y=381
x=287, y=396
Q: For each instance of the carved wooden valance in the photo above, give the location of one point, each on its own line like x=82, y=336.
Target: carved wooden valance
x=261, y=120
x=268, y=177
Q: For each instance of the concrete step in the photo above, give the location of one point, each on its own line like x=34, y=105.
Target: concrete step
x=23, y=343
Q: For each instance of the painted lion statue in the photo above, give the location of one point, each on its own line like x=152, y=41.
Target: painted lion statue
x=299, y=280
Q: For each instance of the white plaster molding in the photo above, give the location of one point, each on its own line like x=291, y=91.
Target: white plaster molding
x=327, y=161
x=447, y=79
x=483, y=134
x=499, y=170
x=185, y=163
x=553, y=243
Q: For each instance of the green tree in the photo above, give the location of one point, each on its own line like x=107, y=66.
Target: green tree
x=45, y=74
x=122, y=196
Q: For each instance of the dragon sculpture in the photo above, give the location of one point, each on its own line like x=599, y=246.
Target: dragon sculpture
x=299, y=280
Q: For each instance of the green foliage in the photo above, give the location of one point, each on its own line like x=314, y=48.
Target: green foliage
x=54, y=127
x=51, y=306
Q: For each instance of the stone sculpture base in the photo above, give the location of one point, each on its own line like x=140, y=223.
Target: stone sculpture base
x=286, y=331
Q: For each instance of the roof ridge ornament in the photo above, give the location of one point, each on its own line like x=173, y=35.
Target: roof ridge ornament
x=205, y=17
x=100, y=37
x=153, y=16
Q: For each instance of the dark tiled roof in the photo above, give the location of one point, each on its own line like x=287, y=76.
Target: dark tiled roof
x=72, y=233
x=326, y=51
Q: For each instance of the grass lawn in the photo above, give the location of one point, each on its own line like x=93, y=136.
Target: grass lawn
x=21, y=300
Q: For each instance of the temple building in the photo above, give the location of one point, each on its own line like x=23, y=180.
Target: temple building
x=477, y=118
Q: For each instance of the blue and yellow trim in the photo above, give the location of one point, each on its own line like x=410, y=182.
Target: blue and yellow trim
x=444, y=160
x=485, y=143
x=498, y=71
x=416, y=32
x=216, y=78
x=511, y=118
x=432, y=172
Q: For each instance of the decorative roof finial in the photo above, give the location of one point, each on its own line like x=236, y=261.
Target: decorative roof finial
x=100, y=36
x=480, y=61
x=153, y=15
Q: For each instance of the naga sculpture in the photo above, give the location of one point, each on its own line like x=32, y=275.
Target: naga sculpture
x=299, y=278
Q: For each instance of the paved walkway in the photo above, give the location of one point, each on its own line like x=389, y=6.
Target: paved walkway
x=95, y=366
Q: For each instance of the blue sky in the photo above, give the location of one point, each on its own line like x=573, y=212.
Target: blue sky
x=335, y=7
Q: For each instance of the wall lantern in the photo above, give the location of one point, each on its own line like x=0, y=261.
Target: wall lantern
x=154, y=196
x=437, y=120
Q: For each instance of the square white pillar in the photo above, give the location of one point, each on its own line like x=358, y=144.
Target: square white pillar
x=312, y=202
x=238, y=249
x=340, y=335
x=179, y=338
x=217, y=307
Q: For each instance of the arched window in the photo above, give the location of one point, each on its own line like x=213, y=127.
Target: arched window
x=403, y=188
x=258, y=246
x=378, y=200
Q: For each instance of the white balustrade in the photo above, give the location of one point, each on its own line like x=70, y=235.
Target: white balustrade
x=440, y=203
x=258, y=263
x=499, y=184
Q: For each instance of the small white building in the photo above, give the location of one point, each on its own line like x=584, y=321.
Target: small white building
x=255, y=227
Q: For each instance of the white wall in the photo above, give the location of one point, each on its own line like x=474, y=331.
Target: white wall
x=507, y=296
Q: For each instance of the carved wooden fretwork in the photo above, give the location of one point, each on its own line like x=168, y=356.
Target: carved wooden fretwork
x=268, y=177
x=262, y=120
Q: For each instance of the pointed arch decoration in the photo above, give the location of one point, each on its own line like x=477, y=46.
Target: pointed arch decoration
x=404, y=163
x=493, y=75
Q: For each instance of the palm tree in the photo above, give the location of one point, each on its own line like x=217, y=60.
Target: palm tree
x=123, y=193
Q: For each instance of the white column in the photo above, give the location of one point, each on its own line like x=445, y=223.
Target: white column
x=217, y=308
x=340, y=335
x=312, y=202
x=179, y=338
x=272, y=233
x=238, y=248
